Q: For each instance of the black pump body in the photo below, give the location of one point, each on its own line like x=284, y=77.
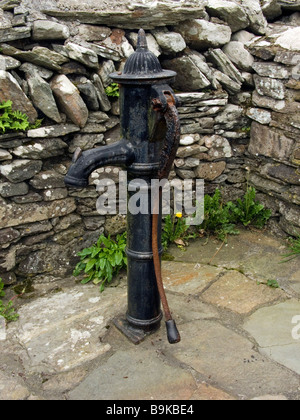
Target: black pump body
x=146, y=128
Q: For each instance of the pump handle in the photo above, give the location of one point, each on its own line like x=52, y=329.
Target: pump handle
x=168, y=155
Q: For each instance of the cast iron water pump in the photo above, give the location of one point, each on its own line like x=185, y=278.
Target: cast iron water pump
x=150, y=133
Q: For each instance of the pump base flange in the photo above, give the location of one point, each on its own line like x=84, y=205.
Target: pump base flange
x=135, y=335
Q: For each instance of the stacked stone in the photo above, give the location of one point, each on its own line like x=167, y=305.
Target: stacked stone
x=216, y=61
x=55, y=61
x=274, y=148
x=213, y=138
x=43, y=224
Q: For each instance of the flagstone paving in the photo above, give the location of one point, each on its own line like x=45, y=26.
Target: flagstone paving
x=240, y=337
x=277, y=332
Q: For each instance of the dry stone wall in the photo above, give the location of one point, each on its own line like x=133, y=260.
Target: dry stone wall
x=238, y=85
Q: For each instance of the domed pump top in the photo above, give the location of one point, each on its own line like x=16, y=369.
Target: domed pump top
x=142, y=66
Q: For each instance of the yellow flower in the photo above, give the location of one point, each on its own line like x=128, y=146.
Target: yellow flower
x=178, y=215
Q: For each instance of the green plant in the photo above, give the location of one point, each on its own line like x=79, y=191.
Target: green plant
x=113, y=90
x=175, y=231
x=221, y=218
x=294, y=247
x=218, y=216
x=101, y=262
x=14, y=120
x=7, y=311
x=249, y=211
x=273, y=283
x=246, y=130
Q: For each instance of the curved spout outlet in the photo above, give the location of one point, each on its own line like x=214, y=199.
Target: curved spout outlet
x=84, y=163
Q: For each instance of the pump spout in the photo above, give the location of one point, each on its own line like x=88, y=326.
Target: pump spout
x=120, y=153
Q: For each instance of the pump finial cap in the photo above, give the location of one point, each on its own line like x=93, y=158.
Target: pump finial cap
x=142, y=41
x=142, y=66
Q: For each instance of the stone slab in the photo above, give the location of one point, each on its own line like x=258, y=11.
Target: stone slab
x=13, y=34
x=238, y=293
x=11, y=389
x=269, y=143
x=136, y=374
x=188, y=278
x=127, y=14
x=293, y=5
x=228, y=359
x=11, y=90
x=209, y=393
x=256, y=254
x=270, y=398
x=276, y=330
x=15, y=215
x=188, y=308
x=287, y=355
x=66, y=329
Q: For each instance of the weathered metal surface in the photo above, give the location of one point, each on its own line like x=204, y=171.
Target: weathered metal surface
x=84, y=163
x=134, y=334
x=150, y=133
x=165, y=104
x=171, y=143
x=143, y=66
